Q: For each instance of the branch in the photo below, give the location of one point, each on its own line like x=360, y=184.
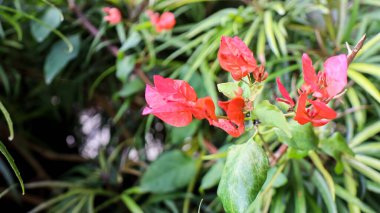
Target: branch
x=94, y=31
x=87, y=25
x=278, y=154
x=352, y=53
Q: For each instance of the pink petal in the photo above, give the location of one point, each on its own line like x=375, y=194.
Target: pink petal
x=336, y=74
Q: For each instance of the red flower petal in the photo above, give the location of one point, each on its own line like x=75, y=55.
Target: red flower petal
x=235, y=57
x=301, y=115
x=309, y=75
x=284, y=93
x=323, y=111
x=229, y=127
x=204, y=109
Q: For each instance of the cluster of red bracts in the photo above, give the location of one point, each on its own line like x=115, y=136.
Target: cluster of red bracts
x=236, y=58
x=176, y=103
x=317, y=90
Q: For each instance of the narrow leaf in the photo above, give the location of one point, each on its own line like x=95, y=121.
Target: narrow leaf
x=11, y=162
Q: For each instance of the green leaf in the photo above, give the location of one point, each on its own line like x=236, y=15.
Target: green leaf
x=52, y=18
x=327, y=176
x=8, y=120
x=243, y=176
x=303, y=136
x=279, y=179
x=124, y=67
x=296, y=153
x=131, y=87
x=323, y=188
x=270, y=115
x=213, y=176
x=179, y=134
x=360, y=115
x=345, y=195
x=59, y=56
x=172, y=170
x=132, y=41
x=299, y=190
x=371, y=69
x=228, y=89
x=11, y=162
x=365, y=134
x=268, y=26
x=335, y=146
x=365, y=83
x=131, y=204
x=364, y=169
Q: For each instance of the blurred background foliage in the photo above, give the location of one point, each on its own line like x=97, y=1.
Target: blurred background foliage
x=74, y=87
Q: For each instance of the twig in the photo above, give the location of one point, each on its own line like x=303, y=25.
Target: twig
x=87, y=24
x=358, y=46
x=94, y=31
x=351, y=110
x=278, y=154
x=142, y=75
x=56, y=156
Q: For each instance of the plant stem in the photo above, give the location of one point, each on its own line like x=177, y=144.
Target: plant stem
x=278, y=154
x=190, y=188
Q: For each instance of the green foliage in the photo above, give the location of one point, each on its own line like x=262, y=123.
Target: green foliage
x=270, y=115
x=52, y=17
x=59, y=56
x=243, y=175
x=303, y=136
x=171, y=171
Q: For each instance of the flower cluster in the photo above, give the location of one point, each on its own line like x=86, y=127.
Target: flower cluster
x=235, y=57
x=176, y=103
x=166, y=21
x=113, y=15
x=318, y=90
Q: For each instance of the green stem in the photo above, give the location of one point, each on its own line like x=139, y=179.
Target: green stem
x=190, y=188
x=214, y=156
x=318, y=163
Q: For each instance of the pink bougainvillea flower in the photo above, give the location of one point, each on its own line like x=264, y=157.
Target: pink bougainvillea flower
x=287, y=99
x=318, y=113
x=170, y=100
x=329, y=82
x=113, y=15
x=235, y=57
x=164, y=22
x=175, y=102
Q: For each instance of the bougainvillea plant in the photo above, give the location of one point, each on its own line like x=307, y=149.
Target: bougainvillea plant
x=176, y=103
